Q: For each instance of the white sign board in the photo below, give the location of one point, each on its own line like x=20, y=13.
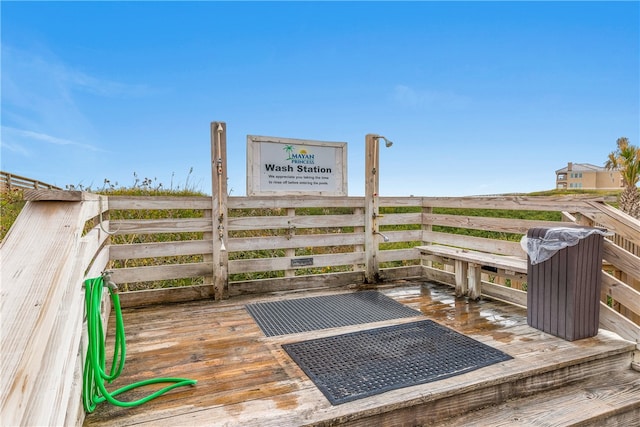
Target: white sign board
x=295, y=167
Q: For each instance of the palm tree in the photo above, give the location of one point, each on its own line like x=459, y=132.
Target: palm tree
x=626, y=159
x=289, y=150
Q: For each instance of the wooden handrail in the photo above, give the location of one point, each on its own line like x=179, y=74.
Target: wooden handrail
x=45, y=258
x=10, y=181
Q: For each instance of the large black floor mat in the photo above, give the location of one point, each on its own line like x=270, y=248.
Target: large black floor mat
x=323, y=312
x=352, y=366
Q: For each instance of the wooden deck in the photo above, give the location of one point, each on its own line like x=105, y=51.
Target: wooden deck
x=246, y=379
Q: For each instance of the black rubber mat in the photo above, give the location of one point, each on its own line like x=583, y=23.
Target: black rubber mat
x=323, y=312
x=361, y=364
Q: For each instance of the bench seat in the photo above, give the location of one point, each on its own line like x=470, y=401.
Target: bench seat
x=468, y=265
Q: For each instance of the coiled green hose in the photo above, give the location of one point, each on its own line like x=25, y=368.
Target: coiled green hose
x=94, y=390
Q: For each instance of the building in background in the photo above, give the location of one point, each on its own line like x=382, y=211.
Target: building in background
x=585, y=176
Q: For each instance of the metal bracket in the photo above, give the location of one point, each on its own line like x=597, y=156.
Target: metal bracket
x=290, y=231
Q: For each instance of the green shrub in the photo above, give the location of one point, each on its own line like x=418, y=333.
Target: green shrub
x=11, y=203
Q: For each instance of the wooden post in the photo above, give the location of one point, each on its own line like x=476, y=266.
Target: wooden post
x=208, y=257
x=290, y=252
x=358, y=248
x=427, y=227
x=219, y=210
x=371, y=210
x=461, y=274
x=475, y=280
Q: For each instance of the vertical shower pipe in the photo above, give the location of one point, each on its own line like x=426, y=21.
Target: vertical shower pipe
x=219, y=210
x=371, y=213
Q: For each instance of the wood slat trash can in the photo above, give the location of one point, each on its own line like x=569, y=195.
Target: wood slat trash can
x=563, y=292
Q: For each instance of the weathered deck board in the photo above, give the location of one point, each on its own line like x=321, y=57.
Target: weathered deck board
x=577, y=404
x=245, y=378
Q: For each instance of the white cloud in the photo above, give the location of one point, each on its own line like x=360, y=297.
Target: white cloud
x=15, y=148
x=15, y=139
x=31, y=71
x=103, y=87
x=43, y=93
x=42, y=103
x=409, y=97
x=38, y=96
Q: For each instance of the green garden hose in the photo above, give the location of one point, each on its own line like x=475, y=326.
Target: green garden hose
x=95, y=375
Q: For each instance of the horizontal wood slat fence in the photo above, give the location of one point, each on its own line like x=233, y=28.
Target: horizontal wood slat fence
x=275, y=244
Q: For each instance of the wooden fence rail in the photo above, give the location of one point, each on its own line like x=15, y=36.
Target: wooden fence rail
x=275, y=244
x=10, y=181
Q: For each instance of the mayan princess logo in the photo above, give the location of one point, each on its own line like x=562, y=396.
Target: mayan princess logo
x=302, y=156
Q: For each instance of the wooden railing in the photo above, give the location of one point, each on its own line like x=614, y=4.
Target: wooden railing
x=275, y=244
x=270, y=244
x=10, y=181
x=47, y=253
x=620, y=294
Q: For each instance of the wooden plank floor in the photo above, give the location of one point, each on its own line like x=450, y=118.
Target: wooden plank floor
x=245, y=378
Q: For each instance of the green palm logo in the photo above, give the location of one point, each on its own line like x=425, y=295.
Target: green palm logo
x=289, y=150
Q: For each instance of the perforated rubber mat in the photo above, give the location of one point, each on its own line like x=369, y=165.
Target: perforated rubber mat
x=361, y=364
x=332, y=311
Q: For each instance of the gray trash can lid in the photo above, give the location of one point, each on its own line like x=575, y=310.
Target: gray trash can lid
x=542, y=248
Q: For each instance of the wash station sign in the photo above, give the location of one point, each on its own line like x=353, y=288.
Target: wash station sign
x=282, y=166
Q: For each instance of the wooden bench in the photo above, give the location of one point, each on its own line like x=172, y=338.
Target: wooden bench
x=468, y=265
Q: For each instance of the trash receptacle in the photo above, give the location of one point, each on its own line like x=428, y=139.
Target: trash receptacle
x=563, y=280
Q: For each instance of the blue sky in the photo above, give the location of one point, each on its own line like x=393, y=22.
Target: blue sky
x=478, y=97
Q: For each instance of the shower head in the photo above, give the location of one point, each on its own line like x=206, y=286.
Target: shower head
x=387, y=143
